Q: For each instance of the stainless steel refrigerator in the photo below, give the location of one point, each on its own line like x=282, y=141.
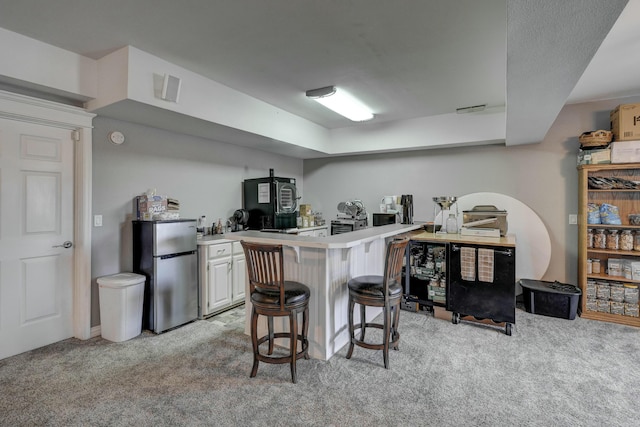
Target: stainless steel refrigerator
x=165, y=252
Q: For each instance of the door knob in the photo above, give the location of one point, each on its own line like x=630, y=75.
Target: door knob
x=65, y=245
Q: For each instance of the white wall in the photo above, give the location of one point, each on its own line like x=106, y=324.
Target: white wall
x=543, y=176
x=36, y=65
x=204, y=175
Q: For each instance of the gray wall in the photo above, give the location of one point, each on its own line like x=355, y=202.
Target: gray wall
x=204, y=175
x=543, y=176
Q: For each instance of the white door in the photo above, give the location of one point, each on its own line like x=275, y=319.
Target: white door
x=36, y=218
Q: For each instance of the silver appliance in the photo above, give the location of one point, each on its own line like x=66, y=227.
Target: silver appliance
x=485, y=219
x=165, y=252
x=352, y=216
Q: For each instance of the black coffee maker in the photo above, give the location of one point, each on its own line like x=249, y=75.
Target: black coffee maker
x=407, y=208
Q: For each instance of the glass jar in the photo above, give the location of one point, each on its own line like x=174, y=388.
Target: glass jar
x=595, y=266
x=617, y=292
x=603, y=291
x=626, y=241
x=636, y=241
x=590, y=237
x=452, y=224
x=589, y=266
x=617, y=308
x=604, y=306
x=600, y=240
x=631, y=293
x=613, y=240
x=591, y=289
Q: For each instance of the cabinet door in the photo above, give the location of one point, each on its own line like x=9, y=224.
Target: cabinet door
x=489, y=289
x=239, y=278
x=321, y=232
x=219, y=282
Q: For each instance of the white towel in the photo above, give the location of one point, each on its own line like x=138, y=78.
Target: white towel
x=468, y=264
x=485, y=265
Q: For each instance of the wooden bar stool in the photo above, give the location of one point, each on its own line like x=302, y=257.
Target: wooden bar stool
x=379, y=291
x=272, y=296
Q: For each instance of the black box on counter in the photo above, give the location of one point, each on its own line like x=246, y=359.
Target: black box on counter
x=553, y=299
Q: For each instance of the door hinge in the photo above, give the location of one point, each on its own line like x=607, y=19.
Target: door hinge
x=75, y=135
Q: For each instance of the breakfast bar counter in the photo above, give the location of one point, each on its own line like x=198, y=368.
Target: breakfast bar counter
x=325, y=264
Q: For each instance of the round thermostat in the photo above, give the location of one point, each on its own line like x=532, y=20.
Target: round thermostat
x=116, y=137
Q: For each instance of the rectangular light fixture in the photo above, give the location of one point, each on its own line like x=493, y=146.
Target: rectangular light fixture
x=341, y=102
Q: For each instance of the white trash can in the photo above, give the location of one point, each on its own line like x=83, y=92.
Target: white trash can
x=121, y=299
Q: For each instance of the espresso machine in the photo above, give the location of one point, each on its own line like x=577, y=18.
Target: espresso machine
x=406, y=201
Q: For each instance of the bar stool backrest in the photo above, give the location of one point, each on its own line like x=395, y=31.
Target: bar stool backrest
x=265, y=265
x=393, y=264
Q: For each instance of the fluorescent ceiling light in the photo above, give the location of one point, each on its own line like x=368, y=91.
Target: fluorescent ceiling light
x=341, y=102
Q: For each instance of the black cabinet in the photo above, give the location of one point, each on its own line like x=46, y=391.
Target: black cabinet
x=488, y=294
x=472, y=280
x=426, y=283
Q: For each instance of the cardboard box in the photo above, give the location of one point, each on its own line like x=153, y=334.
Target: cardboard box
x=305, y=210
x=147, y=207
x=441, y=313
x=595, y=156
x=625, y=122
x=625, y=151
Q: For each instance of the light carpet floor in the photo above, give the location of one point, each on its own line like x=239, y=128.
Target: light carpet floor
x=550, y=372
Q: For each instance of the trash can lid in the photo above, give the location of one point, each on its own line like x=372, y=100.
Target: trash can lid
x=121, y=280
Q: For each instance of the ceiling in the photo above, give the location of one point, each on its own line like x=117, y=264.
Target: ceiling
x=404, y=58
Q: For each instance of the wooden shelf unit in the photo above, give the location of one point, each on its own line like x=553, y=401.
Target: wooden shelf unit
x=627, y=201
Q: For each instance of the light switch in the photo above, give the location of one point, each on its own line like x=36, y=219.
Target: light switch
x=573, y=219
x=97, y=220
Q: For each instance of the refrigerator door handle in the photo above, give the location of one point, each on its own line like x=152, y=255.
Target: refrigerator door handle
x=176, y=255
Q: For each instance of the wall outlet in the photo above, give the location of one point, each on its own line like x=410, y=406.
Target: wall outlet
x=97, y=220
x=573, y=219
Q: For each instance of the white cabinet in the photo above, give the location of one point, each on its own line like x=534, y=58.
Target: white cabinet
x=321, y=232
x=239, y=269
x=222, y=277
x=315, y=232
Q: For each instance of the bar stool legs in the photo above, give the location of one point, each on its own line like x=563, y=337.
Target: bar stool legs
x=384, y=292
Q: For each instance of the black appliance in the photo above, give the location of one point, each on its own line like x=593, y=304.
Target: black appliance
x=345, y=225
x=407, y=208
x=271, y=202
x=383, y=219
x=239, y=219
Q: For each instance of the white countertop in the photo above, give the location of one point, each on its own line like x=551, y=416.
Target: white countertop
x=337, y=241
x=212, y=239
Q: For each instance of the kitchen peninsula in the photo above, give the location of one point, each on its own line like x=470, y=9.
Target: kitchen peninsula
x=325, y=264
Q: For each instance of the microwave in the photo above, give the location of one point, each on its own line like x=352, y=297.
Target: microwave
x=383, y=219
